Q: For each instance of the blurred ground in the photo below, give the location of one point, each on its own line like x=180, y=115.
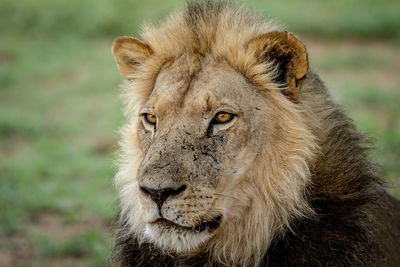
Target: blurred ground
x=60, y=111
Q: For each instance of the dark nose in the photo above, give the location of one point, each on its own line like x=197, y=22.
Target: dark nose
x=160, y=195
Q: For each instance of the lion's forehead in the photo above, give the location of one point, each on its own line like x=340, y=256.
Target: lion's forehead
x=182, y=89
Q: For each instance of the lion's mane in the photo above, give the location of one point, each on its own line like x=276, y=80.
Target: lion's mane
x=317, y=204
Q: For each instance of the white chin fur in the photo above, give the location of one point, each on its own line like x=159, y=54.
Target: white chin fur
x=178, y=241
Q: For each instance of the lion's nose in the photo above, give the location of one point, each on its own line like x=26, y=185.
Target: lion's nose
x=160, y=195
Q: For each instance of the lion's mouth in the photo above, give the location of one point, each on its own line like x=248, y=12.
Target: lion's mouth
x=206, y=225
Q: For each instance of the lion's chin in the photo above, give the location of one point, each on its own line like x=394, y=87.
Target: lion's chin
x=168, y=235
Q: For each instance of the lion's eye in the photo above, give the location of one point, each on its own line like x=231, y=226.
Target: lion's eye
x=223, y=117
x=150, y=118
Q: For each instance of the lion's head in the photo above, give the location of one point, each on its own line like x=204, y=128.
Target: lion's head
x=216, y=153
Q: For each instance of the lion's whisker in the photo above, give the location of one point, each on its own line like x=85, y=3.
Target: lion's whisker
x=227, y=196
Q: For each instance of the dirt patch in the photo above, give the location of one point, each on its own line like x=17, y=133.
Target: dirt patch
x=7, y=57
x=5, y=258
x=15, y=249
x=53, y=226
x=20, y=249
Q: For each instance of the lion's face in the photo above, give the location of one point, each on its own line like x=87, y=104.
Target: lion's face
x=216, y=158
x=198, y=136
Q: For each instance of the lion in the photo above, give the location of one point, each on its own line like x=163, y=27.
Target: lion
x=234, y=153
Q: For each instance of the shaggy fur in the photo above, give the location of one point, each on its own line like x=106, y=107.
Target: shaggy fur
x=300, y=190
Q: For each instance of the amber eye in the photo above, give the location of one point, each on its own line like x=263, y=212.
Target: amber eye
x=223, y=117
x=150, y=118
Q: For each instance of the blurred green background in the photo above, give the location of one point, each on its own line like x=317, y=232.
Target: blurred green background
x=60, y=110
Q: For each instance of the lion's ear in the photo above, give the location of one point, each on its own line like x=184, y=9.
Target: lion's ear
x=288, y=55
x=129, y=53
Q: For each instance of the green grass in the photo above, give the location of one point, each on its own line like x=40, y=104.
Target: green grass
x=60, y=111
x=58, y=123
x=364, y=19
x=88, y=18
